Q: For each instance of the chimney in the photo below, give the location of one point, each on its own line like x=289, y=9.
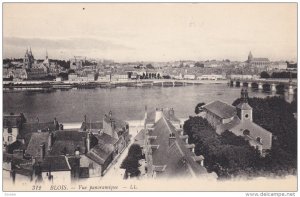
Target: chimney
x=202, y=162
x=61, y=127
x=50, y=141
x=55, y=121
x=84, y=128
x=84, y=139
x=171, y=112
x=172, y=138
x=158, y=114
x=77, y=164
x=42, y=150
x=88, y=141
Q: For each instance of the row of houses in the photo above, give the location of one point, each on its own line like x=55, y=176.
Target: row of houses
x=45, y=151
x=166, y=149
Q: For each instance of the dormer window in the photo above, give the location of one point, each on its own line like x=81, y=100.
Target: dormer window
x=258, y=139
x=246, y=132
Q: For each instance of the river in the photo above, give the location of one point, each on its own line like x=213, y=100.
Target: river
x=126, y=103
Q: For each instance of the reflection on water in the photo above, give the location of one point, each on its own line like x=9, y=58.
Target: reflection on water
x=126, y=103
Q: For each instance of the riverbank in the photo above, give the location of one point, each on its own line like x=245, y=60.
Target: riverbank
x=35, y=85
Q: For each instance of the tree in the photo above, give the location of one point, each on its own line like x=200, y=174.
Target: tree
x=198, y=108
x=198, y=64
x=264, y=75
x=131, y=162
x=149, y=66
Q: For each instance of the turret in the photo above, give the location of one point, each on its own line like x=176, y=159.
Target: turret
x=244, y=110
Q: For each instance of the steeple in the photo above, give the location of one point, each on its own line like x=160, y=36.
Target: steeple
x=244, y=110
x=250, y=57
x=244, y=95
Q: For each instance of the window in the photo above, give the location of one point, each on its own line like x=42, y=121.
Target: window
x=258, y=139
x=9, y=130
x=9, y=139
x=246, y=132
x=246, y=115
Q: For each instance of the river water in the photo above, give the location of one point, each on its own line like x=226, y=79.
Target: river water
x=126, y=103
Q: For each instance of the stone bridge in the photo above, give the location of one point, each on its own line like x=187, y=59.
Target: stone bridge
x=273, y=84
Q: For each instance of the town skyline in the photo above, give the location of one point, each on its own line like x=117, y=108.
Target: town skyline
x=147, y=32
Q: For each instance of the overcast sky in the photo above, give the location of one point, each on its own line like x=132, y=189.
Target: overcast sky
x=151, y=32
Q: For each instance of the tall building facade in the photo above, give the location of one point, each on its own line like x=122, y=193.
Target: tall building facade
x=257, y=61
x=28, y=59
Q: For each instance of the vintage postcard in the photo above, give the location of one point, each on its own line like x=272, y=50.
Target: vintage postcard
x=149, y=97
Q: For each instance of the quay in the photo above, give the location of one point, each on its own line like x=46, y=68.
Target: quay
x=105, y=84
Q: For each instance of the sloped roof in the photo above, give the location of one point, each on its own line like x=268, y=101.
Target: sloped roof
x=93, y=125
x=260, y=59
x=36, y=140
x=220, y=109
x=68, y=147
x=231, y=124
x=176, y=156
x=34, y=127
x=255, y=131
x=119, y=124
x=244, y=106
x=100, y=153
x=69, y=140
x=140, y=137
x=11, y=121
x=55, y=163
x=105, y=138
x=170, y=114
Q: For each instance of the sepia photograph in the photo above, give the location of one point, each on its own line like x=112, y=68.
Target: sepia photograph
x=104, y=97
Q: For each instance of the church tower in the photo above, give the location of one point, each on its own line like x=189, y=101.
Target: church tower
x=250, y=57
x=244, y=110
x=28, y=59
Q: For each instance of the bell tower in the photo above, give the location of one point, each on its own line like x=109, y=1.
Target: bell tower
x=250, y=57
x=244, y=110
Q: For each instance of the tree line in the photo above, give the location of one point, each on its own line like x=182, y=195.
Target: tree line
x=230, y=156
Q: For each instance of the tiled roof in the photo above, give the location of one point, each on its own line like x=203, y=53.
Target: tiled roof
x=220, y=109
x=67, y=141
x=55, y=163
x=105, y=138
x=170, y=115
x=93, y=125
x=176, y=156
x=255, y=131
x=34, y=127
x=36, y=140
x=244, y=106
x=11, y=121
x=67, y=147
x=139, y=138
x=260, y=59
x=231, y=124
x=100, y=153
x=118, y=123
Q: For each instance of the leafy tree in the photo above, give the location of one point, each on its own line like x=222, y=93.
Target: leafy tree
x=149, y=66
x=198, y=108
x=264, y=75
x=200, y=65
x=131, y=162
